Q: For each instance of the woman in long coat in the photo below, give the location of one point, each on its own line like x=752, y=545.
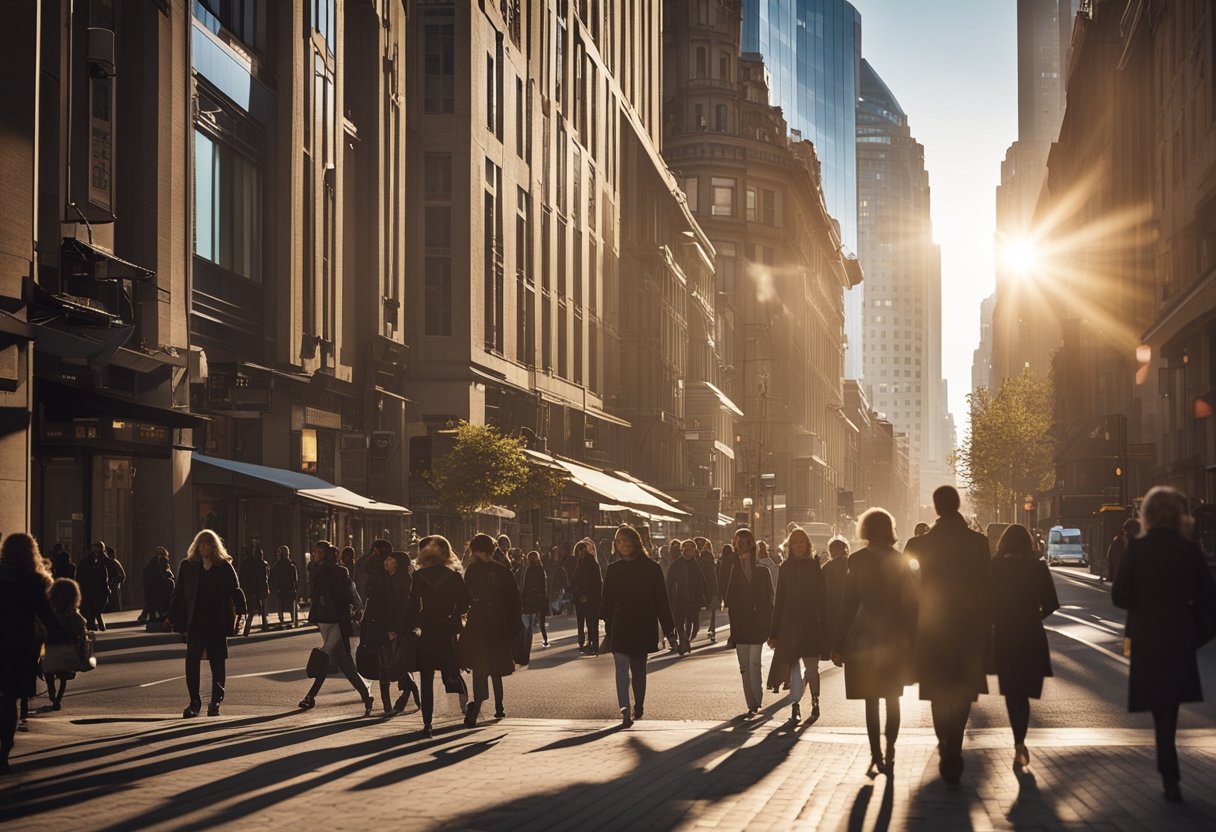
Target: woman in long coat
x=634, y=600
x=749, y=603
x=384, y=619
x=796, y=635
x=1166, y=587
x=1023, y=658
x=206, y=605
x=438, y=601
x=587, y=585
x=534, y=593
x=23, y=599
x=494, y=620
x=876, y=629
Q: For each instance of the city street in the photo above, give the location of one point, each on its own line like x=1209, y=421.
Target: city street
x=120, y=756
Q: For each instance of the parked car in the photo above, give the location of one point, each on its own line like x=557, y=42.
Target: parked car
x=1064, y=547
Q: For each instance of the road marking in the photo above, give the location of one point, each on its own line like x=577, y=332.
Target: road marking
x=1087, y=623
x=237, y=676
x=1119, y=657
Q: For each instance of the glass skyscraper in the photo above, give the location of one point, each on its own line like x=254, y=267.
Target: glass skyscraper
x=812, y=49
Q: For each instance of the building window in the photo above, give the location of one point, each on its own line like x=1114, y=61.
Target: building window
x=724, y=66
x=440, y=68
x=325, y=22
x=720, y=118
x=769, y=215
x=699, y=69
x=438, y=300
x=723, y=193
x=491, y=98
x=238, y=17
x=227, y=208
x=750, y=205
x=438, y=176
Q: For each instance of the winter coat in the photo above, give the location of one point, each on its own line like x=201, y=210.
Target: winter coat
x=634, y=600
x=22, y=600
x=255, y=576
x=878, y=623
x=1165, y=584
x=158, y=584
x=952, y=633
x=797, y=623
x=387, y=604
x=494, y=619
x=1114, y=555
x=184, y=613
x=62, y=566
x=332, y=599
x=724, y=565
x=586, y=581
x=835, y=574
x=771, y=566
x=438, y=601
x=709, y=574
x=284, y=578
x=558, y=581
x=118, y=577
x=685, y=586
x=749, y=602
x=74, y=631
x=1026, y=596
x=94, y=579
x=534, y=591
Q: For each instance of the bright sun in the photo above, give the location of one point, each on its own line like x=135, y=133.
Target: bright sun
x=1021, y=257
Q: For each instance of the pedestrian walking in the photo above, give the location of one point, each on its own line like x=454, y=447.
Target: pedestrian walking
x=502, y=552
x=206, y=607
x=94, y=578
x=586, y=585
x=835, y=575
x=952, y=635
x=385, y=620
x=438, y=601
x=709, y=575
x=1023, y=658
x=158, y=586
x=24, y=580
x=1115, y=551
x=876, y=628
x=558, y=583
x=118, y=577
x=255, y=581
x=534, y=593
x=1166, y=587
x=726, y=560
x=686, y=592
x=335, y=609
x=634, y=601
x=494, y=619
x=284, y=583
x=764, y=557
x=61, y=563
x=749, y=602
x=64, y=598
x=796, y=634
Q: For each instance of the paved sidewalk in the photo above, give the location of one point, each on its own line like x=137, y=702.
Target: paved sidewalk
x=330, y=769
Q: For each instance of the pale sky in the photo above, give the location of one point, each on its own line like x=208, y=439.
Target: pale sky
x=953, y=67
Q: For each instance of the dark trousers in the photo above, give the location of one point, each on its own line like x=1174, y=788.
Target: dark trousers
x=1018, y=708
x=686, y=626
x=588, y=613
x=481, y=688
x=194, y=658
x=55, y=695
x=256, y=605
x=92, y=616
x=950, y=723
x=346, y=664
x=630, y=670
x=1165, y=722
x=872, y=724
x=426, y=682
x=714, y=603
x=8, y=724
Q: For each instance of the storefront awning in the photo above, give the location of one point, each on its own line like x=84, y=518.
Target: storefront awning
x=496, y=511
x=723, y=399
x=611, y=488
x=660, y=517
x=305, y=486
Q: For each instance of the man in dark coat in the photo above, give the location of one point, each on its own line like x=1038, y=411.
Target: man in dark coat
x=494, y=619
x=284, y=580
x=61, y=563
x=953, y=625
x=118, y=577
x=835, y=577
x=1114, y=552
x=255, y=580
x=94, y=579
x=709, y=574
x=586, y=584
x=686, y=589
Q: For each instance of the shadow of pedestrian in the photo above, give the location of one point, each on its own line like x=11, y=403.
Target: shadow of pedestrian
x=442, y=758
x=580, y=739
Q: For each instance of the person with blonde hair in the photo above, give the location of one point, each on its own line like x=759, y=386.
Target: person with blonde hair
x=1166, y=587
x=438, y=601
x=205, y=609
x=876, y=627
x=797, y=636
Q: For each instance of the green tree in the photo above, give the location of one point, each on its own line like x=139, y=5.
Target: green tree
x=1009, y=451
x=484, y=467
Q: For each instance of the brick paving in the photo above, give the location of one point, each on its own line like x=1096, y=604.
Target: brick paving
x=327, y=770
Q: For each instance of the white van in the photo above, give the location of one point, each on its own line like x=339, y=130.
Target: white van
x=1064, y=546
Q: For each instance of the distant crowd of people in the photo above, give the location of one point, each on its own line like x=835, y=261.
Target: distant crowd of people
x=940, y=612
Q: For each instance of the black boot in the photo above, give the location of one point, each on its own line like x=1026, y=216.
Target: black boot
x=470, y=715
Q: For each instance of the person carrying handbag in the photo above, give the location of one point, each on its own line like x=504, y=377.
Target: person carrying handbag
x=334, y=609
x=494, y=619
x=71, y=651
x=384, y=629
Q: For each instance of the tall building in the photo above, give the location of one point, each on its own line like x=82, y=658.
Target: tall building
x=901, y=328
x=209, y=318
x=1025, y=330
x=781, y=271
x=555, y=254
x=812, y=54
x=981, y=358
